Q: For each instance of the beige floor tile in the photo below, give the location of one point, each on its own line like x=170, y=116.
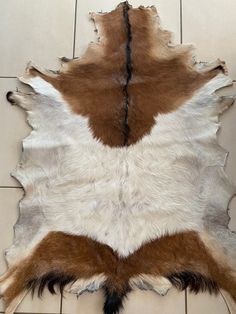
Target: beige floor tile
x=138, y=302
x=168, y=11
x=232, y=212
x=210, y=25
x=87, y=303
x=37, y=30
x=206, y=304
x=48, y=304
x=9, y=213
x=13, y=129
x=141, y=302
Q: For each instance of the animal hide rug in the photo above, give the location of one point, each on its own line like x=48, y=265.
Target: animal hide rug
x=123, y=176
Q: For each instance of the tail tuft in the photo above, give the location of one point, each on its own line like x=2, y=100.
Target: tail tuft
x=114, y=300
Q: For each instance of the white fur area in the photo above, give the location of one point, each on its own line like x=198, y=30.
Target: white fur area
x=157, y=284
x=87, y=285
x=172, y=180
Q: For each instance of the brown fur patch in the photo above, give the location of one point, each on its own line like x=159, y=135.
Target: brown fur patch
x=130, y=77
x=79, y=257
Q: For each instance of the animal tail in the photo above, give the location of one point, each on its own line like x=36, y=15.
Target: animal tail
x=114, y=297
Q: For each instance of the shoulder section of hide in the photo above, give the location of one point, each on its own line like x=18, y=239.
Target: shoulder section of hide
x=125, y=80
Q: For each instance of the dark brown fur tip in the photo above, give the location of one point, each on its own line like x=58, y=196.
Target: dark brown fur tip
x=9, y=97
x=195, y=282
x=51, y=281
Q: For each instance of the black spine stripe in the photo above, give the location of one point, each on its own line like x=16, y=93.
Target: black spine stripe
x=50, y=280
x=114, y=300
x=196, y=282
x=126, y=130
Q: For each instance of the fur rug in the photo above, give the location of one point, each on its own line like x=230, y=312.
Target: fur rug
x=123, y=176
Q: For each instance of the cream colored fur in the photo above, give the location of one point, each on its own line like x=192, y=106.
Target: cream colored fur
x=123, y=197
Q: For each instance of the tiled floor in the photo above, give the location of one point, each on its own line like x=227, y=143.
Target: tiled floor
x=45, y=29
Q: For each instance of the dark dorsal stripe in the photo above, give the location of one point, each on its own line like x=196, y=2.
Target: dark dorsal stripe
x=126, y=8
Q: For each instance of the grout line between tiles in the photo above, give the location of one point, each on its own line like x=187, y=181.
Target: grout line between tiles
x=10, y=187
x=181, y=21
x=186, y=301
x=8, y=77
x=226, y=304
x=61, y=302
x=75, y=23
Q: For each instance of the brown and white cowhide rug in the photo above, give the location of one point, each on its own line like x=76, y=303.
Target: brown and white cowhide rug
x=123, y=176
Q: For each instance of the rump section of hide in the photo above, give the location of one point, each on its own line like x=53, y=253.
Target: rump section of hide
x=80, y=264
x=123, y=176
